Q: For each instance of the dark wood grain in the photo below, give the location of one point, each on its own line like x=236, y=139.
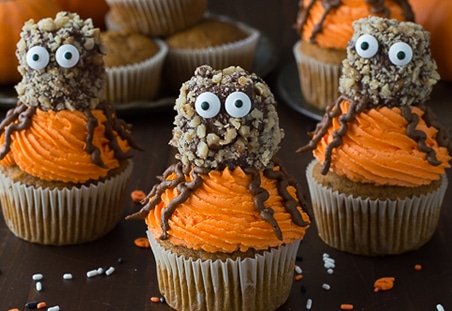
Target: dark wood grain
x=134, y=280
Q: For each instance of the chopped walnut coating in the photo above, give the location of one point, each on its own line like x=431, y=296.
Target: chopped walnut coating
x=54, y=87
x=214, y=143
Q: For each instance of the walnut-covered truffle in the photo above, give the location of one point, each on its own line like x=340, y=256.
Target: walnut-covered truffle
x=61, y=63
x=226, y=118
x=388, y=62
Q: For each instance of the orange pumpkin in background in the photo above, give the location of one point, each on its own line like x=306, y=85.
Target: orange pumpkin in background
x=94, y=9
x=13, y=15
x=436, y=16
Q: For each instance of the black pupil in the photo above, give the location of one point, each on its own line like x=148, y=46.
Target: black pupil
x=68, y=55
x=364, y=46
x=205, y=106
x=400, y=55
x=35, y=57
x=238, y=103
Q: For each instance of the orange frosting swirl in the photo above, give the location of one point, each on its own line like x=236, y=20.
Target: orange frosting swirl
x=220, y=216
x=337, y=26
x=377, y=150
x=53, y=148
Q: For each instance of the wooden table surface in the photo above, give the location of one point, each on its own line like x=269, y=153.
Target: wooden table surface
x=134, y=280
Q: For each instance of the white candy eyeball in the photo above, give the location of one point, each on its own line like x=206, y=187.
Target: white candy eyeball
x=37, y=57
x=238, y=104
x=366, y=46
x=207, y=105
x=400, y=53
x=67, y=56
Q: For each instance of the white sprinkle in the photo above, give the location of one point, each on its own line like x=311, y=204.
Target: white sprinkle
x=328, y=265
x=38, y=286
x=100, y=270
x=298, y=270
x=326, y=286
x=330, y=271
x=67, y=276
x=92, y=273
x=309, y=304
x=110, y=271
x=439, y=307
x=54, y=308
x=326, y=255
x=37, y=277
x=329, y=260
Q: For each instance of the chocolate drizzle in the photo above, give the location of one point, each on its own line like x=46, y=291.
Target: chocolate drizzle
x=377, y=7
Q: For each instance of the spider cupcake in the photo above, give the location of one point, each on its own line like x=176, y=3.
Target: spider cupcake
x=227, y=207
x=379, y=176
x=64, y=157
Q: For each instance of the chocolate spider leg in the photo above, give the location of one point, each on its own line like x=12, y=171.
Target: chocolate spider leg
x=289, y=202
x=260, y=196
x=157, y=191
x=443, y=138
x=23, y=115
x=418, y=136
x=91, y=125
x=185, y=189
x=328, y=5
x=378, y=7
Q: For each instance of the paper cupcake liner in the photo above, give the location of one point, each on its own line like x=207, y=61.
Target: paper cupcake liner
x=374, y=227
x=63, y=216
x=319, y=81
x=180, y=64
x=156, y=17
x=260, y=283
x=139, y=81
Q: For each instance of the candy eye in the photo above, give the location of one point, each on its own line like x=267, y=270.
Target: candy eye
x=238, y=104
x=37, y=57
x=400, y=53
x=366, y=46
x=207, y=105
x=67, y=56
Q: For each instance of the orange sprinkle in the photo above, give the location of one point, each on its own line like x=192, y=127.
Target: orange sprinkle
x=298, y=277
x=41, y=305
x=384, y=283
x=346, y=306
x=142, y=242
x=137, y=196
x=155, y=299
x=417, y=267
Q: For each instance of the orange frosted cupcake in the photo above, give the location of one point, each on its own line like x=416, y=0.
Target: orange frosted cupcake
x=378, y=178
x=226, y=220
x=325, y=27
x=64, y=161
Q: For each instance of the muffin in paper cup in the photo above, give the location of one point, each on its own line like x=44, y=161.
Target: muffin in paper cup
x=181, y=62
x=137, y=81
x=319, y=80
x=255, y=283
x=365, y=226
x=55, y=215
x=156, y=17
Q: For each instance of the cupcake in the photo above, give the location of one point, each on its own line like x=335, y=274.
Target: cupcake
x=378, y=178
x=226, y=220
x=134, y=64
x=216, y=41
x=65, y=156
x=155, y=17
x=325, y=27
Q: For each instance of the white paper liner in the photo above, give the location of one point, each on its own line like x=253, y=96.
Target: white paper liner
x=319, y=81
x=374, y=227
x=260, y=283
x=139, y=81
x=156, y=17
x=67, y=216
x=180, y=64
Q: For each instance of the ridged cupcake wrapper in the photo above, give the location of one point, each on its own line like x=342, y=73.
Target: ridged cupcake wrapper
x=156, y=17
x=374, y=227
x=319, y=81
x=139, y=81
x=63, y=216
x=259, y=283
x=180, y=64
